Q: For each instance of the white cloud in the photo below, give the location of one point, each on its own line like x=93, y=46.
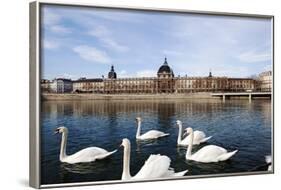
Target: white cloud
x=52, y=22
x=68, y=76
x=92, y=54
x=143, y=73
x=231, y=71
x=110, y=43
x=48, y=44
x=253, y=56
x=146, y=73
x=123, y=74
x=105, y=36
x=201, y=69
x=117, y=16
x=50, y=18
x=60, y=29
x=268, y=67
x=99, y=31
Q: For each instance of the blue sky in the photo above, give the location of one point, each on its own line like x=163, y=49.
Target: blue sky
x=85, y=42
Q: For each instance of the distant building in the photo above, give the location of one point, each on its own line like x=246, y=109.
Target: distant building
x=241, y=84
x=45, y=85
x=84, y=85
x=165, y=82
x=112, y=74
x=265, y=81
x=61, y=85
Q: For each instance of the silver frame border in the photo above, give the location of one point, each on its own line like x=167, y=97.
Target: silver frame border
x=34, y=97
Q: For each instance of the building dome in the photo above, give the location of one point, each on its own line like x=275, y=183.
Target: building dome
x=165, y=70
x=112, y=74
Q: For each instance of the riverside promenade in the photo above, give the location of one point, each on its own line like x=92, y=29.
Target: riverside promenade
x=72, y=96
x=166, y=96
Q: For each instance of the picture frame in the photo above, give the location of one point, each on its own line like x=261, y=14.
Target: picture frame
x=86, y=90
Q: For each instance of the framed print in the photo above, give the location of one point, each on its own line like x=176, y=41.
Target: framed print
x=133, y=94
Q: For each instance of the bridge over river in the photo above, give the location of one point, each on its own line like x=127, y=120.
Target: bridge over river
x=250, y=95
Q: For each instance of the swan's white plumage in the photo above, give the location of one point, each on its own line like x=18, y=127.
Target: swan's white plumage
x=209, y=153
x=89, y=154
x=156, y=166
x=152, y=134
x=268, y=160
x=198, y=137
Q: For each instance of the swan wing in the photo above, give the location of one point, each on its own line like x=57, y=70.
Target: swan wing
x=186, y=140
x=199, y=135
x=179, y=174
x=89, y=154
x=155, y=166
x=205, y=139
x=152, y=134
x=102, y=156
x=269, y=168
x=268, y=159
x=209, y=153
x=226, y=156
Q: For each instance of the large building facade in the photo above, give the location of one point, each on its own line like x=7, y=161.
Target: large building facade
x=265, y=81
x=61, y=85
x=165, y=82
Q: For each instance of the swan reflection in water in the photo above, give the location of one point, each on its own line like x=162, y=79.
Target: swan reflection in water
x=140, y=145
x=86, y=168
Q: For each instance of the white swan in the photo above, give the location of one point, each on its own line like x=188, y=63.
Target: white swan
x=268, y=160
x=156, y=166
x=199, y=136
x=209, y=153
x=86, y=155
x=152, y=134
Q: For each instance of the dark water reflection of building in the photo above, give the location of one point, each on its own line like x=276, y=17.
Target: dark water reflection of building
x=164, y=109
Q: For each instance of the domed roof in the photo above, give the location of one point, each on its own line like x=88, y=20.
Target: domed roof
x=165, y=68
x=112, y=74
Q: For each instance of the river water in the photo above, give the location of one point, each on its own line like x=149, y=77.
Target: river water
x=234, y=124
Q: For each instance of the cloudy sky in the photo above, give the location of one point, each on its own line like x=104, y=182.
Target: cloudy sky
x=85, y=42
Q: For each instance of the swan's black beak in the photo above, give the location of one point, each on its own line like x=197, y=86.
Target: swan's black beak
x=56, y=131
x=119, y=147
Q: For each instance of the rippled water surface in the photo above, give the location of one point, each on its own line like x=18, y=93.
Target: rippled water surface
x=235, y=124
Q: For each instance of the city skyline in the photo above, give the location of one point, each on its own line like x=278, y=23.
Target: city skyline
x=85, y=42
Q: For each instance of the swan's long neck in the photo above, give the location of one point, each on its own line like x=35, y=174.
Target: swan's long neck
x=63, y=145
x=138, y=129
x=126, y=163
x=189, y=149
x=180, y=133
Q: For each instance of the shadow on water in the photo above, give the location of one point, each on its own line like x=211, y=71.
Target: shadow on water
x=235, y=124
x=86, y=168
x=143, y=144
